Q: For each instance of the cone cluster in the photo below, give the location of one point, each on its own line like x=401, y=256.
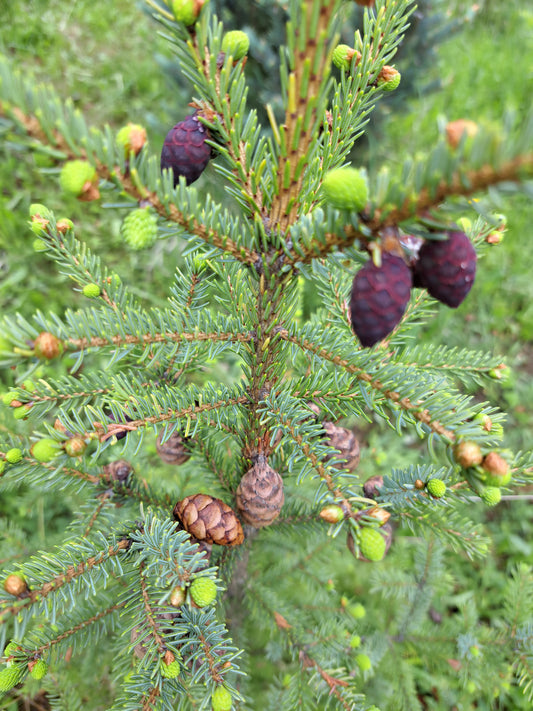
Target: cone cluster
x=380, y=294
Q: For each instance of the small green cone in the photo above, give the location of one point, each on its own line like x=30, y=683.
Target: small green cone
x=436, y=487
x=139, y=228
x=91, y=291
x=371, y=544
x=46, y=449
x=170, y=671
x=236, y=43
x=491, y=495
x=203, y=591
x=39, y=669
x=74, y=174
x=345, y=189
x=221, y=699
x=14, y=456
x=363, y=662
x=185, y=11
x=10, y=677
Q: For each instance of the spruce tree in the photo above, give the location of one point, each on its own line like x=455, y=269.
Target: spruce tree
x=208, y=443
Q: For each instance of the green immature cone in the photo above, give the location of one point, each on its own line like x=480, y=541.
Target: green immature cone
x=491, y=495
x=342, y=56
x=10, y=677
x=91, y=291
x=74, y=176
x=363, y=662
x=39, y=669
x=221, y=700
x=389, y=78
x=187, y=11
x=436, y=487
x=45, y=449
x=345, y=189
x=170, y=671
x=139, y=228
x=14, y=456
x=236, y=43
x=371, y=544
x=203, y=591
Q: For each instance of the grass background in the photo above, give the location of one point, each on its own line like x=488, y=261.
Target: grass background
x=108, y=57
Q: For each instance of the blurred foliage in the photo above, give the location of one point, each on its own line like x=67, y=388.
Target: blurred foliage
x=102, y=55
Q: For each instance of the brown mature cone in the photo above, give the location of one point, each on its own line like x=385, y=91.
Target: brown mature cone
x=173, y=450
x=260, y=495
x=209, y=520
x=346, y=442
x=118, y=470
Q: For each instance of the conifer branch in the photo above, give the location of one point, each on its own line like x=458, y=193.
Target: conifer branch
x=102, y=501
x=134, y=188
x=77, y=628
x=310, y=67
x=104, y=432
x=149, y=613
x=305, y=658
x=460, y=183
x=423, y=416
x=71, y=574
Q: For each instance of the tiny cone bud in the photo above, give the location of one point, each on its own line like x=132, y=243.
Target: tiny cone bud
x=64, y=225
x=389, y=78
x=467, y=454
x=75, y=446
x=363, y=662
x=419, y=484
x=46, y=449
x=332, y=514
x=378, y=514
x=436, y=487
x=221, y=700
x=456, y=129
x=132, y=138
x=236, y=43
x=15, y=585
x=14, y=456
x=47, y=346
x=497, y=469
x=177, y=597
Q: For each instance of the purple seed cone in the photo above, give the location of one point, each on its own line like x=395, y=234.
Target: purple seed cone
x=185, y=150
x=447, y=269
x=379, y=297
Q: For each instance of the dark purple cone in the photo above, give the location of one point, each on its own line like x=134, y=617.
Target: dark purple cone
x=379, y=297
x=185, y=149
x=447, y=269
